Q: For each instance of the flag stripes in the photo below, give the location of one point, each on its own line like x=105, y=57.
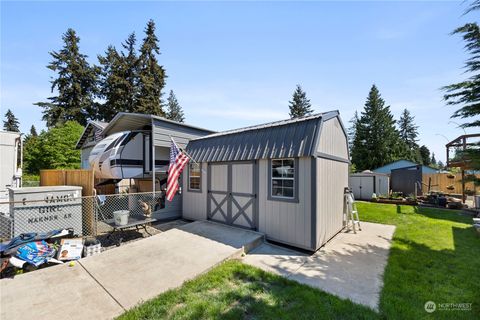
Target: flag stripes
x=178, y=160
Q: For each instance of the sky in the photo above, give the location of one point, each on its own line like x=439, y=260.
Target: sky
x=234, y=64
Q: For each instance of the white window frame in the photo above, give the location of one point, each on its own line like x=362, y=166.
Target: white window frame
x=293, y=179
x=190, y=165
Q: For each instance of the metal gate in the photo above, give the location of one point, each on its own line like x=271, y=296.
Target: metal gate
x=231, y=197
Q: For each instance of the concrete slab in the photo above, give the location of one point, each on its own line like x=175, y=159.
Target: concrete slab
x=102, y=286
x=350, y=265
x=59, y=292
x=141, y=270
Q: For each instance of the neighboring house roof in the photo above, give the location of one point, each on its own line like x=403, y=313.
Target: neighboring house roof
x=280, y=139
x=91, y=125
x=403, y=163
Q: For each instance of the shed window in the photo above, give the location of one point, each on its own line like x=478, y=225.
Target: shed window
x=194, y=177
x=283, y=178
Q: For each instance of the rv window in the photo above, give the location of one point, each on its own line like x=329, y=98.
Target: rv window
x=131, y=135
x=283, y=178
x=194, y=177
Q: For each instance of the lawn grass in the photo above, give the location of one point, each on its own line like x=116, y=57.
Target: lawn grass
x=435, y=256
x=235, y=290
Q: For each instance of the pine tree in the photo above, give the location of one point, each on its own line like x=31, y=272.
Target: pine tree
x=433, y=161
x=408, y=130
x=425, y=155
x=376, y=139
x=118, y=80
x=75, y=83
x=130, y=67
x=352, y=130
x=174, y=110
x=33, y=131
x=11, y=123
x=151, y=75
x=299, y=106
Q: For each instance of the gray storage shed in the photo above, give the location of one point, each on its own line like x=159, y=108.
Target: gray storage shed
x=364, y=184
x=285, y=179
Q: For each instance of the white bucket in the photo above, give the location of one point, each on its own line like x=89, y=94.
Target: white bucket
x=121, y=217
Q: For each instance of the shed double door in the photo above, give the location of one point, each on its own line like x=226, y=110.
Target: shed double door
x=231, y=196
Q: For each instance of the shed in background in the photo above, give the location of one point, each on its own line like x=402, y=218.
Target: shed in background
x=366, y=183
x=403, y=163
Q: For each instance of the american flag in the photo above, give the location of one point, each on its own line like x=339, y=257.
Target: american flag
x=178, y=160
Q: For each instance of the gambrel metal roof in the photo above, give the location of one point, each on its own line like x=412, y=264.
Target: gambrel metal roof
x=280, y=139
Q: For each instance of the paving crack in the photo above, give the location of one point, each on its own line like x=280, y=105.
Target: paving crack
x=102, y=286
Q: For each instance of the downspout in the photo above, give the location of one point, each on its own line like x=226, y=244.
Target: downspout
x=153, y=159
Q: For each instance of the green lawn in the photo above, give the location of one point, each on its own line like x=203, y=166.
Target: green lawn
x=435, y=256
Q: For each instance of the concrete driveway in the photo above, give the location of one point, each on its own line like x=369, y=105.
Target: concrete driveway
x=350, y=265
x=104, y=286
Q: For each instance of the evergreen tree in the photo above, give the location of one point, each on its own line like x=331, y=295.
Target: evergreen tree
x=425, y=155
x=118, y=80
x=466, y=94
x=174, y=110
x=433, y=161
x=130, y=67
x=33, y=131
x=299, y=106
x=11, y=122
x=352, y=130
x=111, y=84
x=376, y=140
x=75, y=84
x=408, y=130
x=151, y=75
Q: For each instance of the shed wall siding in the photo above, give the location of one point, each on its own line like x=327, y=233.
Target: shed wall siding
x=286, y=222
x=195, y=203
x=332, y=139
x=332, y=178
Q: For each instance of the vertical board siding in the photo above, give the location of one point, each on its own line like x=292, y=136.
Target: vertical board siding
x=242, y=178
x=332, y=178
x=332, y=139
x=286, y=222
x=195, y=203
x=444, y=182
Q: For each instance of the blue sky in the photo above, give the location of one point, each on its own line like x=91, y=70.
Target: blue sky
x=233, y=64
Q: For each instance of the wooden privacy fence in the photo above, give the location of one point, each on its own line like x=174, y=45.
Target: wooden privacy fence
x=69, y=177
x=72, y=177
x=444, y=182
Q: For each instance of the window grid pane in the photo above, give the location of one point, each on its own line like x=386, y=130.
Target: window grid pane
x=283, y=178
x=194, y=176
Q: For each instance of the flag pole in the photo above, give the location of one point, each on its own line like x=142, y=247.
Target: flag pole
x=189, y=156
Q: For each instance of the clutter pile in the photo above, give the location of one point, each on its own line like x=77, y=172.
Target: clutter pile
x=31, y=251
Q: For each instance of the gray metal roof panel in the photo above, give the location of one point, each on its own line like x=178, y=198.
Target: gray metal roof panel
x=286, y=138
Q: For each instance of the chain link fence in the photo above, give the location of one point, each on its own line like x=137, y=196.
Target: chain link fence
x=87, y=216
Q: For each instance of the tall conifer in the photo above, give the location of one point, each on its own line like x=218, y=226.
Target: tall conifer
x=151, y=75
x=376, y=140
x=75, y=85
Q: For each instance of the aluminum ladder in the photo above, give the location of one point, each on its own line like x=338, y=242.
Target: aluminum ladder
x=352, y=219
